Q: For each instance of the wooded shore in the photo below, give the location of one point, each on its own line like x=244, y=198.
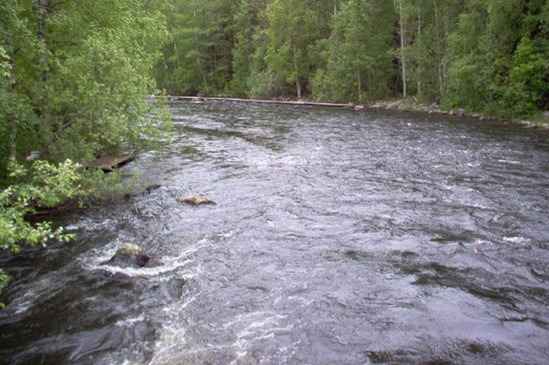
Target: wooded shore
x=405, y=105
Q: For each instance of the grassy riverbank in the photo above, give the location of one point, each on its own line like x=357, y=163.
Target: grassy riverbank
x=410, y=104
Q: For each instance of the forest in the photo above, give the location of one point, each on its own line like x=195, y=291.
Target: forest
x=75, y=75
x=481, y=55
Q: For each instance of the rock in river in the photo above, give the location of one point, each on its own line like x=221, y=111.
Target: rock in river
x=131, y=255
x=195, y=200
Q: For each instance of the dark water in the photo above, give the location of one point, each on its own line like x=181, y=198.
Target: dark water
x=338, y=238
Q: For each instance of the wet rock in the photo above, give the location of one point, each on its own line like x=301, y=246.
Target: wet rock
x=460, y=112
x=142, y=260
x=129, y=249
x=149, y=189
x=132, y=255
x=358, y=108
x=195, y=200
x=546, y=114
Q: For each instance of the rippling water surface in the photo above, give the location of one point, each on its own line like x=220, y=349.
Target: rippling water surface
x=337, y=238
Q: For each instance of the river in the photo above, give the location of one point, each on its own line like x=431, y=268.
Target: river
x=338, y=238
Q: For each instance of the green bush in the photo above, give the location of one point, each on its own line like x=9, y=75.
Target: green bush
x=527, y=84
x=4, y=279
x=43, y=184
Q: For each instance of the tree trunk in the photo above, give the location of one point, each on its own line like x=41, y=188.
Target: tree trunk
x=359, y=81
x=402, y=53
x=298, y=88
x=297, y=82
x=439, y=49
x=12, y=120
x=42, y=10
x=419, y=61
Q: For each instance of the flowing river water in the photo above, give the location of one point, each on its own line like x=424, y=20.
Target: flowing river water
x=337, y=238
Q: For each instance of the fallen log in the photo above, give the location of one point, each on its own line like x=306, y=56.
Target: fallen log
x=262, y=101
x=41, y=213
x=111, y=163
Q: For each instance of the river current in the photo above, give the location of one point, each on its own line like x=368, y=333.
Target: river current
x=338, y=238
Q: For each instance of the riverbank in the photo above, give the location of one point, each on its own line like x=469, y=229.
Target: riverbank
x=409, y=105
x=542, y=121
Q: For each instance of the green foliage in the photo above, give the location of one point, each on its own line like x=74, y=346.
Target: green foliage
x=40, y=185
x=4, y=280
x=96, y=90
x=359, y=53
x=466, y=53
x=73, y=85
x=248, y=51
x=528, y=79
x=197, y=57
x=79, y=90
x=293, y=26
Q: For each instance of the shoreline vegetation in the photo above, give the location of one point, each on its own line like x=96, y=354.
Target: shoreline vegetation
x=485, y=56
x=73, y=83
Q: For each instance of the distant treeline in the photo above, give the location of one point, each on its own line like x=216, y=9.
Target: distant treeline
x=482, y=55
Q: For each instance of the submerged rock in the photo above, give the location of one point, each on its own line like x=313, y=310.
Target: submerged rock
x=148, y=190
x=195, y=200
x=132, y=255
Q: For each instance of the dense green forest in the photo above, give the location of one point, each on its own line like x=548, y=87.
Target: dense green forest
x=74, y=75
x=482, y=55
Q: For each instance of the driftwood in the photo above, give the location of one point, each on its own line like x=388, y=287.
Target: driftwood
x=198, y=99
x=111, y=163
x=41, y=213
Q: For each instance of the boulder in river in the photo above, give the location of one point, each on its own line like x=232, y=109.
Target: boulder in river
x=359, y=108
x=131, y=255
x=195, y=200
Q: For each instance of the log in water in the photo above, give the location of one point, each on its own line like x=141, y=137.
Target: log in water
x=199, y=99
